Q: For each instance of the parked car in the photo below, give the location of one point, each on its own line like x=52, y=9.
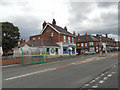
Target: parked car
x=77, y=53
x=89, y=52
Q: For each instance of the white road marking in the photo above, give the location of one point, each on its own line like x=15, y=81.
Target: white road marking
x=86, y=85
x=10, y=65
x=101, y=74
x=95, y=86
x=113, y=72
x=105, y=78
x=109, y=75
x=24, y=75
x=101, y=81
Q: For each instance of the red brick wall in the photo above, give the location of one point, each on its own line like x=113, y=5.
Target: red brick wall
x=36, y=37
x=6, y=62
x=47, y=35
x=56, y=37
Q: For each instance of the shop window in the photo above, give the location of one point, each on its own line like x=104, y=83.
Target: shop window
x=56, y=50
x=48, y=51
x=65, y=50
x=73, y=50
x=82, y=50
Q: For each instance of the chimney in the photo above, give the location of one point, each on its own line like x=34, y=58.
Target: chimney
x=106, y=35
x=86, y=35
x=54, y=23
x=73, y=32
x=97, y=35
x=78, y=36
x=44, y=24
x=65, y=28
x=22, y=41
x=101, y=37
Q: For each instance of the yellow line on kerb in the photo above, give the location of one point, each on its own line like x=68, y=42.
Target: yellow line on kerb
x=35, y=55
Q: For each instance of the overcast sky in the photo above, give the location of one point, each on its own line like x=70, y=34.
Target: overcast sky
x=81, y=17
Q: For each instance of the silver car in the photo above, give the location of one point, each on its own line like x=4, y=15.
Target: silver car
x=89, y=52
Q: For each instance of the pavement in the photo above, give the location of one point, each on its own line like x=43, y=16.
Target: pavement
x=69, y=72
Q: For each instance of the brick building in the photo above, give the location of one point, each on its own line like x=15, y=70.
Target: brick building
x=109, y=44
x=95, y=43
x=87, y=43
x=61, y=36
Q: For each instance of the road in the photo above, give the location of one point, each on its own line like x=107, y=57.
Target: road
x=74, y=72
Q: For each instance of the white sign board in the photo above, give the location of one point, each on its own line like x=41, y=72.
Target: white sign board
x=1, y=51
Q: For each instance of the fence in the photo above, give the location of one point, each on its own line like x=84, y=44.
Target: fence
x=34, y=56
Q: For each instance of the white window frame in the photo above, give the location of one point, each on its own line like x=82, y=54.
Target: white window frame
x=91, y=43
x=82, y=44
x=68, y=39
x=38, y=37
x=64, y=38
x=72, y=40
x=86, y=44
x=34, y=38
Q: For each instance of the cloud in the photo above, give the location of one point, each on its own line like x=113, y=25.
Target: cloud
x=28, y=25
x=95, y=17
x=106, y=4
x=82, y=17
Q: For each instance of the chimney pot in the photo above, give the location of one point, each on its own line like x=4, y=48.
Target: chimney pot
x=54, y=23
x=106, y=35
x=44, y=24
x=78, y=36
x=65, y=28
x=73, y=32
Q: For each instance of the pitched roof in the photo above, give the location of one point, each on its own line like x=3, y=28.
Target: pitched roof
x=38, y=43
x=104, y=39
x=90, y=38
x=60, y=29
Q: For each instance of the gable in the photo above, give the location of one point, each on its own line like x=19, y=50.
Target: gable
x=58, y=29
x=48, y=30
x=48, y=25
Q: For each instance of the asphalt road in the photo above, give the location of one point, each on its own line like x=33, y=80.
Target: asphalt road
x=74, y=72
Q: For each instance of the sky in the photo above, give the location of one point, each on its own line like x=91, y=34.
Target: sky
x=81, y=17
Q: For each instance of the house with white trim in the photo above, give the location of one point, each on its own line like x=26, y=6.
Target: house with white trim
x=61, y=36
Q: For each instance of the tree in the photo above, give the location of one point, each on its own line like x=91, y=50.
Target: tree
x=10, y=36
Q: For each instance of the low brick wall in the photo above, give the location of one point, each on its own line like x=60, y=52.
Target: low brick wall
x=19, y=60
x=7, y=62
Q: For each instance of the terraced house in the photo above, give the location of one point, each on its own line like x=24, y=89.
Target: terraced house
x=87, y=43
x=60, y=36
x=95, y=43
x=108, y=44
